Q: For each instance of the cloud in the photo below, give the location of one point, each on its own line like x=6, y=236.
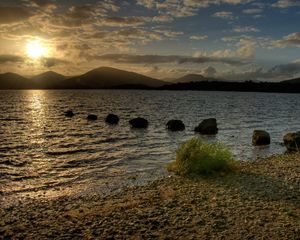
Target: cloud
x=245, y=29
x=198, y=37
x=224, y=15
x=244, y=48
x=285, y=70
x=184, y=8
x=286, y=3
x=196, y=4
x=253, y=11
x=52, y=62
x=258, y=41
x=209, y=72
x=296, y=61
x=10, y=59
x=10, y=15
x=278, y=72
x=47, y=5
x=147, y=3
x=163, y=59
x=162, y=18
x=225, y=53
x=291, y=39
x=80, y=15
x=125, y=21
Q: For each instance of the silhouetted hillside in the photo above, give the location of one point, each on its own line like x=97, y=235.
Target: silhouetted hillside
x=48, y=80
x=248, y=86
x=106, y=77
x=14, y=81
x=194, y=78
x=292, y=81
x=190, y=78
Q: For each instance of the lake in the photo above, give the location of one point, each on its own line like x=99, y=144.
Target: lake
x=45, y=154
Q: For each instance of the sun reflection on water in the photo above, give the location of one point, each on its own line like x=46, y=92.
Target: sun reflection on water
x=37, y=114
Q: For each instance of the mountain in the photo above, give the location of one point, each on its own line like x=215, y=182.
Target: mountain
x=48, y=79
x=103, y=77
x=169, y=80
x=49, y=76
x=193, y=78
x=190, y=78
x=292, y=81
x=106, y=77
x=14, y=81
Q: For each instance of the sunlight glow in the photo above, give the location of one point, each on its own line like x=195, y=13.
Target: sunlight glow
x=35, y=49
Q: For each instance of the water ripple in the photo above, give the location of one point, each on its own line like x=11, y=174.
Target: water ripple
x=41, y=150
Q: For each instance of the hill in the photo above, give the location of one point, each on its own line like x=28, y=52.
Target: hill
x=194, y=78
x=292, y=81
x=112, y=78
x=48, y=79
x=190, y=78
x=106, y=77
x=14, y=81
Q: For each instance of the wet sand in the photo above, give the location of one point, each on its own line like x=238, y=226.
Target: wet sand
x=260, y=200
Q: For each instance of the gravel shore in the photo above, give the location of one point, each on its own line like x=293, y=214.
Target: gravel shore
x=260, y=200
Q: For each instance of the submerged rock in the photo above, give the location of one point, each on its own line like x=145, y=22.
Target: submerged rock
x=175, y=125
x=207, y=127
x=92, y=117
x=69, y=113
x=139, y=123
x=112, y=119
x=292, y=141
x=260, y=138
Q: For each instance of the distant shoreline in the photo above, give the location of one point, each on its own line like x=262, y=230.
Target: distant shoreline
x=295, y=91
x=260, y=200
x=112, y=78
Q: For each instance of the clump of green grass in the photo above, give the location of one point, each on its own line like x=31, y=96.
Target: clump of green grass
x=195, y=157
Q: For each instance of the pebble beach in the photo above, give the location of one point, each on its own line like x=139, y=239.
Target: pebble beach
x=259, y=200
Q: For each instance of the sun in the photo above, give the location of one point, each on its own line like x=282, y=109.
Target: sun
x=35, y=49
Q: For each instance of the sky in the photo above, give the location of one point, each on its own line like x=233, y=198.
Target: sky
x=228, y=39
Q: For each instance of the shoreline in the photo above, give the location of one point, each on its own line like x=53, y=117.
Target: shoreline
x=261, y=199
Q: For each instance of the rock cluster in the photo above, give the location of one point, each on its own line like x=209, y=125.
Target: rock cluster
x=206, y=127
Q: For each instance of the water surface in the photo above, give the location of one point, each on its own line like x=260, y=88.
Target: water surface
x=43, y=153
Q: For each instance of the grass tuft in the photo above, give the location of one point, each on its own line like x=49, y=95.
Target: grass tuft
x=195, y=157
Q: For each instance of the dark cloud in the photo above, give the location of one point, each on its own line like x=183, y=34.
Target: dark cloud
x=41, y=3
x=278, y=72
x=10, y=59
x=125, y=21
x=210, y=71
x=156, y=59
x=75, y=17
x=51, y=62
x=10, y=15
x=79, y=15
x=285, y=70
